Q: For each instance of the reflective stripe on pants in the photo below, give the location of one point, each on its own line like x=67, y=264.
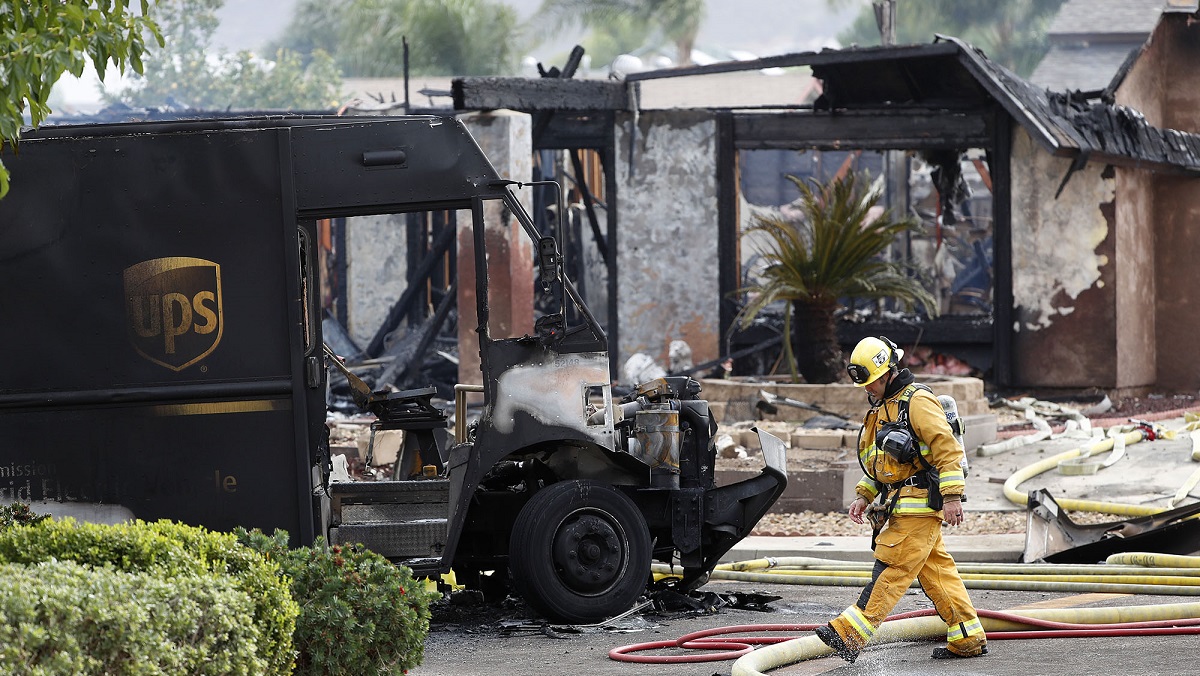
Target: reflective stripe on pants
x=911, y=547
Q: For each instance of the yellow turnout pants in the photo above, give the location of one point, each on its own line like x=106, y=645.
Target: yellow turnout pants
x=911, y=547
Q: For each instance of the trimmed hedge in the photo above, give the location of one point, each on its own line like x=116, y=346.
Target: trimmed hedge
x=360, y=614
x=164, y=598
x=61, y=618
x=174, y=552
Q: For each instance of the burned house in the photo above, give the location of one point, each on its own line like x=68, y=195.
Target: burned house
x=1090, y=197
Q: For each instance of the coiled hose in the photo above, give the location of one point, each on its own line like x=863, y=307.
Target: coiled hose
x=1025, y=474
x=1124, y=439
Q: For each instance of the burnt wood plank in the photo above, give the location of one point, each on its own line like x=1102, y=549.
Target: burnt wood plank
x=537, y=94
x=891, y=130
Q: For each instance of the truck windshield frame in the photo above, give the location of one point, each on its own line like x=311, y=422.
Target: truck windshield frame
x=566, y=289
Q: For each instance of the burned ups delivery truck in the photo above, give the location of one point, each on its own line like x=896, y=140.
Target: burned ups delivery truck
x=162, y=358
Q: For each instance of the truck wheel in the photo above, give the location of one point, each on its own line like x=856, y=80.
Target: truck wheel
x=580, y=552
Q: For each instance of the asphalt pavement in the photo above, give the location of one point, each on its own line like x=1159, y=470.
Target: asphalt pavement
x=487, y=650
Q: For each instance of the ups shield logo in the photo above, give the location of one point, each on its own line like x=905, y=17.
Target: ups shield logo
x=173, y=307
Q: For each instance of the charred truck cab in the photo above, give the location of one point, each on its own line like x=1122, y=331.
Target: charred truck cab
x=164, y=359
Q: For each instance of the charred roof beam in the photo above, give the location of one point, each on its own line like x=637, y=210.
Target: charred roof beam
x=813, y=59
x=537, y=94
x=891, y=129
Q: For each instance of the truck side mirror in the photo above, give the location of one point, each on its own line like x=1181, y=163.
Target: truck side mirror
x=548, y=261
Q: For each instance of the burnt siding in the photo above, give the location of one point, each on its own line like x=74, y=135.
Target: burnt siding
x=1063, y=272
x=668, y=249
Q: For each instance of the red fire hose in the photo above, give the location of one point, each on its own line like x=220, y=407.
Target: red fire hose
x=702, y=640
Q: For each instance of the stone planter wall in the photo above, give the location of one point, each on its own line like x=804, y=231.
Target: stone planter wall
x=729, y=397
x=814, y=482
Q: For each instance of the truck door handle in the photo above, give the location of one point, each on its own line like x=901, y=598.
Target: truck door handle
x=314, y=371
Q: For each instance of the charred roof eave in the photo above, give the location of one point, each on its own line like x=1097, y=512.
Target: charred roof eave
x=951, y=74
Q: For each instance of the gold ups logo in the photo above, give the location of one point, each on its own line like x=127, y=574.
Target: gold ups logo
x=174, y=309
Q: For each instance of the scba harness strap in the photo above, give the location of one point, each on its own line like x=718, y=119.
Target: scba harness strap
x=926, y=478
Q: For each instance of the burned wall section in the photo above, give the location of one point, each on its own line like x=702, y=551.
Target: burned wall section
x=376, y=269
x=667, y=287
x=1063, y=271
x=377, y=253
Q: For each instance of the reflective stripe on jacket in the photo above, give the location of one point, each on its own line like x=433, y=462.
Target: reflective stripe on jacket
x=937, y=445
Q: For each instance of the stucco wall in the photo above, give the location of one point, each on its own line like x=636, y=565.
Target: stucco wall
x=667, y=286
x=1136, y=355
x=1063, y=271
x=1135, y=358
x=376, y=267
x=1177, y=231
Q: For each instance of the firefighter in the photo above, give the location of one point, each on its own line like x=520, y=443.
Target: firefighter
x=915, y=468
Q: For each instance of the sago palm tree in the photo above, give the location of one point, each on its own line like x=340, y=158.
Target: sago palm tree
x=834, y=251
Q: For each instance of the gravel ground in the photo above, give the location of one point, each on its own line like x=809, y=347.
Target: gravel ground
x=813, y=524
x=809, y=524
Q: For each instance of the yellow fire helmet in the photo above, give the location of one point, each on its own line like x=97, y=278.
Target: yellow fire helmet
x=872, y=357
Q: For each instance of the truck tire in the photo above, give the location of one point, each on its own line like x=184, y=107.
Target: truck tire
x=580, y=552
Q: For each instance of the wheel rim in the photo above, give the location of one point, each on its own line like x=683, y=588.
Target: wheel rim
x=590, y=552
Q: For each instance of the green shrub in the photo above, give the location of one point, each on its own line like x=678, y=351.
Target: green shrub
x=18, y=513
x=360, y=614
x=275, y=610
x=61, y=618
x=171, y=551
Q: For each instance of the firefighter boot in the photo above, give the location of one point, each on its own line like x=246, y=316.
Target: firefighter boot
x=949, y=654
x=830, y=637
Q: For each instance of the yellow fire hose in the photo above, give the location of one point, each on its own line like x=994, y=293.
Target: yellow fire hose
x=1027, y=473
x=1117, y=563
x=1131, y=573
x=1195, y=477
x=1097, y=582
x=1154, y=560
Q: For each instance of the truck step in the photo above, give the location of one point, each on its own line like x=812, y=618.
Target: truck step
x=390, y=512
x=398, y=540
x=383, y=492
x=369, y=502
